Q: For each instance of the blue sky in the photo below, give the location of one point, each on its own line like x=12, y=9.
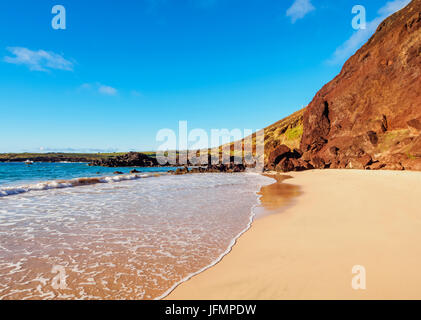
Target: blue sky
x=122, y=70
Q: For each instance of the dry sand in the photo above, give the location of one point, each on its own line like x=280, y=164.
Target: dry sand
x=307, y=249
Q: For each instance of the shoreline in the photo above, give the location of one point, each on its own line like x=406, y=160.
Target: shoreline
x=233, y=243
x=147, y=250
x=254, y=216
x=342, y=219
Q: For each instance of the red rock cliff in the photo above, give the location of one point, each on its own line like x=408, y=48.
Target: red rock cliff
x=369, y=116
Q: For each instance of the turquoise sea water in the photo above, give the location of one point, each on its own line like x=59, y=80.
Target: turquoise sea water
x=15, y=173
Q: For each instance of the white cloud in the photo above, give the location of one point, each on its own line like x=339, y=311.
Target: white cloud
x=358, y=38
x=107, y=90
x=392, y=6
x=40, y=60
x=299, y=9
x=100, y=88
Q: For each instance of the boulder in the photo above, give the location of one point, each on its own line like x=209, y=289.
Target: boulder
x=285, y=165
x=180, y=171
x=318, y=162
x=276, y=153
x=393, y=166
x=300, y=165
x=377, y=166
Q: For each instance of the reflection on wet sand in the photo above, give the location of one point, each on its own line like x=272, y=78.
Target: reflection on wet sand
x=277, y=195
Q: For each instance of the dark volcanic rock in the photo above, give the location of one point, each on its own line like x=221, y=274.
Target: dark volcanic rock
x=284, y=165
x=301, y=165
x=318, y=162
x=181, y=171
x=362, y=162
x=198, y=170
x=293, y=164
x=215, y=168
x=277, y=153
x=230, y=168
x=377, y=166
x=131, y=159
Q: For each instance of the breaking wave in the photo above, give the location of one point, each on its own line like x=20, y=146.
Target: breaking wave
x=61, y=184
x=134, y=239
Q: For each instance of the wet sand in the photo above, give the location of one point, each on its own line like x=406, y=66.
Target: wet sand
x=277, y=196
x=305, y=247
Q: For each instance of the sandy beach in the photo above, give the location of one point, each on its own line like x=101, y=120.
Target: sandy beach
x=306, y=247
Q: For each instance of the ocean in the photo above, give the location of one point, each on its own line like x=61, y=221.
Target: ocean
x=17, y=173
x=70, y=231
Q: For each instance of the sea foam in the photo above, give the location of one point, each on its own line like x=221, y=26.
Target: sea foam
x=135, y=239
x=60, y=184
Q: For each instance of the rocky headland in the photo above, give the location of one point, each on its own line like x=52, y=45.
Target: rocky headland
x=369, y=116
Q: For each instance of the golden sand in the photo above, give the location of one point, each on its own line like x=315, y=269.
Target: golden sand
x=307, y=250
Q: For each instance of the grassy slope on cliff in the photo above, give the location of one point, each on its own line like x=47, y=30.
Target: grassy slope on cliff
x=287, y=131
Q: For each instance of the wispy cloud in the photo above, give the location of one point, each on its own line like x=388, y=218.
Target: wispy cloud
x=100, y=88
x=299, y=9
x=358, y=38
x=40, y=60
x=392, y=6
x=107, y=90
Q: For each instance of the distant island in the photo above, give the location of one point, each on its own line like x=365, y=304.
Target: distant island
x=62, y=157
